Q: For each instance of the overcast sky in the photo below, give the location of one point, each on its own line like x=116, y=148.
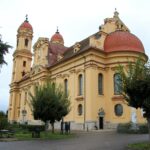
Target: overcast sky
x=76, y=20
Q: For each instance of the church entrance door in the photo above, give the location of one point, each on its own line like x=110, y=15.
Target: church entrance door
x=101, y=122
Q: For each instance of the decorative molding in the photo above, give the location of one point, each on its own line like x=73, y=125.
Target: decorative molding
x=80, y=71
x=117, y=98
x=65, y=75
x=80, y=98
x=76, y=47
x=59, y=57
x=113, y=68
x=59, y=76
x=72, y=71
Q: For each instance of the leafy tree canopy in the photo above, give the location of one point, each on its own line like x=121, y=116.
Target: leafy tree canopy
x=136, y=85
x=3, y=50
x=49, y=103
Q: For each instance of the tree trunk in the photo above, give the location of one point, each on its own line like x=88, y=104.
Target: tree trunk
x=148, y=121
x=52, y=124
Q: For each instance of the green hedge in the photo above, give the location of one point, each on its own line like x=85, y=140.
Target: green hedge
x=132, y=128
x=32, y=128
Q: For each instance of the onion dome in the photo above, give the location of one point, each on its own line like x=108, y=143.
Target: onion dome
x=57, y=38
x=122, y=41
x=26, y=25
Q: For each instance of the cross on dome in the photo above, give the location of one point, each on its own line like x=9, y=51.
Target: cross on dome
x=116, y=13
x=26, y=18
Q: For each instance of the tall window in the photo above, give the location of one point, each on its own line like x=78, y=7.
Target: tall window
x=23, y=73
x=100, y=84
x=25, y=98
x=19, y=99
x=26, y=42
x=80, y=109
x=80, y=80
x=66, y=86
x=117, y=84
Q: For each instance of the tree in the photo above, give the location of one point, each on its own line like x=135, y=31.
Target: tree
x=3, y=50
x=3, y=120
x=136, y=86
x=49, y=103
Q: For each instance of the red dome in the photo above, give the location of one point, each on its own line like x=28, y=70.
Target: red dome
x=57, y=38
x=122, y=41
x=25, y=25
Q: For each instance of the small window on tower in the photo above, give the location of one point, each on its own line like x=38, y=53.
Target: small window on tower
x=23, y=73
x=24, y=63
x=26, y=42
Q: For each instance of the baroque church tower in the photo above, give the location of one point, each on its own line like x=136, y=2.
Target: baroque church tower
x=22, y=58
x=22, y=55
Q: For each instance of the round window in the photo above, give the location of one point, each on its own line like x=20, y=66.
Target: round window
x=118, y=110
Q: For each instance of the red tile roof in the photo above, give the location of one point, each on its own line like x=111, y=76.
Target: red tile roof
x=25, y=25
x=122, y=41
x=57, y=37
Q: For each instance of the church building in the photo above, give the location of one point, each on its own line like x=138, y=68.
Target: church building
x=87, y=71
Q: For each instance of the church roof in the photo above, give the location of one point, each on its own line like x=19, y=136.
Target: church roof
x=122, y=41
x=57, y=38
x=26, y=25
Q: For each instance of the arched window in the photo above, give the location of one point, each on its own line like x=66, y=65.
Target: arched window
x=66, y=87
x=24, y=63
x=118, y=110
x=26, y=42
x=117, y=84
x=25, y=98
x=19, y=100
x=23, y=73
x=80, y=109
x=100, y=84
x=80, y=82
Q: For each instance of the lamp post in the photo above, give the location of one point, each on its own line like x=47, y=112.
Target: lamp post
x=24, y=112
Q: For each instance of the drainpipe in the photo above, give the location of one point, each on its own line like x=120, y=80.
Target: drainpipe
x=84, y=93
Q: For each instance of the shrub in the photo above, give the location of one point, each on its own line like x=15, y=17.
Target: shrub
x=3, y=123
x=143, y=128
x=123, y=127
x=33, y=128
x=36, y=127
x=132, y=128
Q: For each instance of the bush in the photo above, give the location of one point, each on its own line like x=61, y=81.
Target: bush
x=123, y=127
x=143, y=128
x=36, y=127
x=132, y=128
x=3, y=123
x=33, y=128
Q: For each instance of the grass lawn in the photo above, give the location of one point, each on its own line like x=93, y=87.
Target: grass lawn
x=139, y=146
x=43, y=135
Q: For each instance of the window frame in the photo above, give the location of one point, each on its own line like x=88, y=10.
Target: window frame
x=117, y=84
x=100, y=84
x=24, y=63
x=80, y=84
x=118, y=109
x=66, y=87
x=26, y=42
x=80, y=110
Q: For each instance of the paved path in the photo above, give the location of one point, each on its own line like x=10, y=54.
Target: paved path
x=108, y=140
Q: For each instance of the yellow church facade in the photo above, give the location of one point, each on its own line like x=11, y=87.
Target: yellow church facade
x=87, y=71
